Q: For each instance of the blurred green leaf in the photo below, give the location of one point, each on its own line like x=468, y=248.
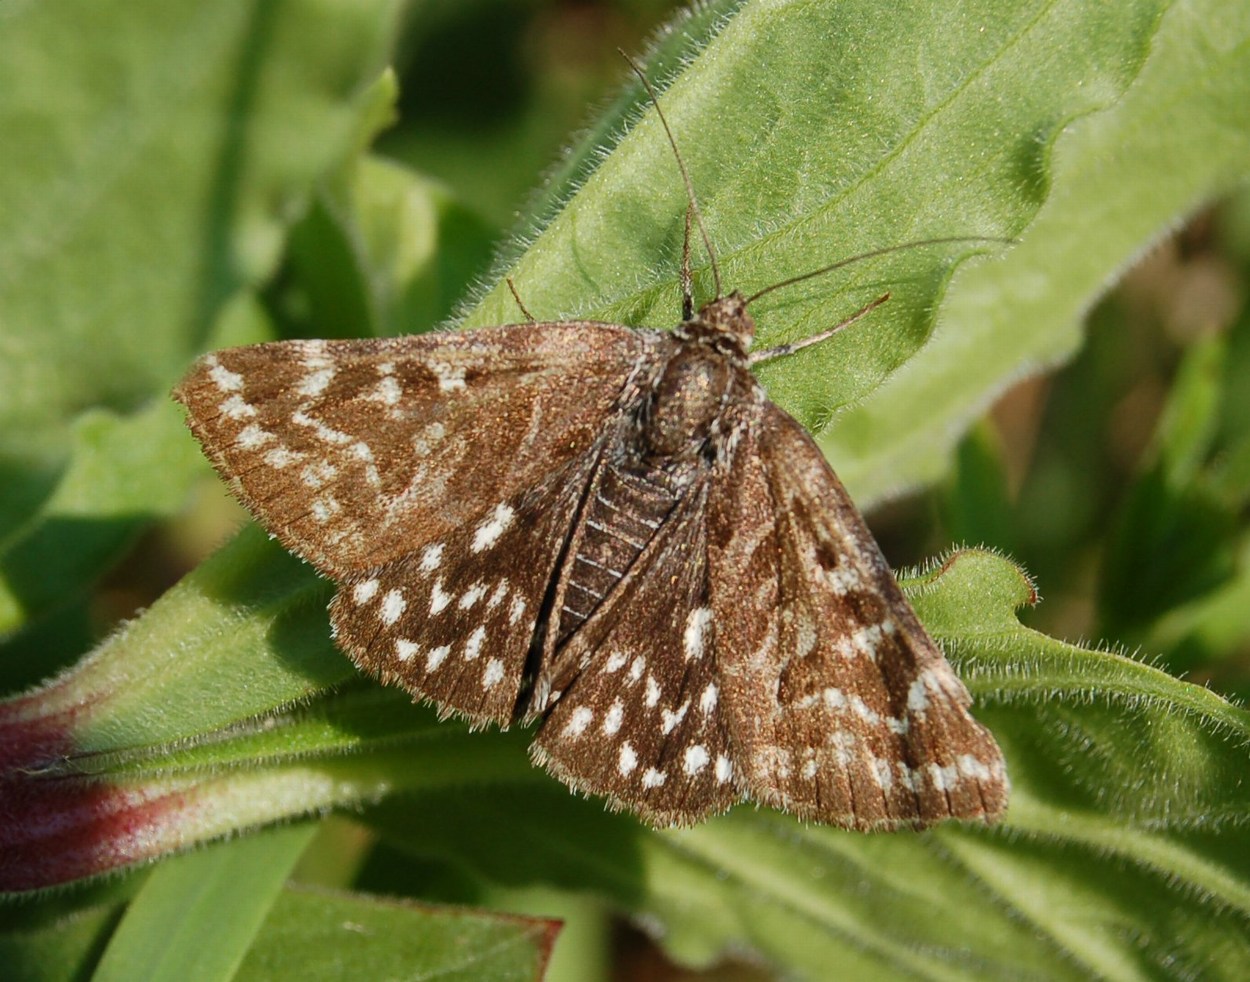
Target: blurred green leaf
x=1174, y=539
x=1122, y=852
x=1159, y=798
x=197, y=915
x=54, y=941
x=105, y=496
x=214, y=121
x=976, y=507
x=1116, y=180
x=392, y=257
x=313, y=935
x=154, y=155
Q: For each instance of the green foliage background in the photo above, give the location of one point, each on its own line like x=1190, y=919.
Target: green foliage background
x=177, y=177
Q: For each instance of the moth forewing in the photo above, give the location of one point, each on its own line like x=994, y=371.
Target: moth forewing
x=615, y=532
x=353, y=453
x=847, y=712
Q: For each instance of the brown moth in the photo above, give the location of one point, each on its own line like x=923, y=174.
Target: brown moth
x=614, y=532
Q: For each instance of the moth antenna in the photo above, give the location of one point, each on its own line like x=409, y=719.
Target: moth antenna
x=872, y=255
x=519, y=302
x=768, y=354
x=687, y=281
x=685, y=174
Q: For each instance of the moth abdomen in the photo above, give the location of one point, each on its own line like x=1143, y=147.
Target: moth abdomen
x=622, y=514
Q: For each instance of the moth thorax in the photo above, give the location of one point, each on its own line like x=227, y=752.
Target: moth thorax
x=686, y=402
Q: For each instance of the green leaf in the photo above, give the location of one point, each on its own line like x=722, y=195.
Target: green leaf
x=155, y=154
x=314, y=935
x=213, y=120
x=812, y=133
x=197, y=915
x=104, y=497
x=389, y=255
x=1174, y=539
x=800, y=159
x=976, y=508
x=1117, y=179
x=60, y=938
x=1122, y=854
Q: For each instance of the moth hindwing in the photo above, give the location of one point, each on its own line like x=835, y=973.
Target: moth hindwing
x=615, y=533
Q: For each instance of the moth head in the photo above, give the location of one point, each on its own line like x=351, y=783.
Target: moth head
x=726, y=318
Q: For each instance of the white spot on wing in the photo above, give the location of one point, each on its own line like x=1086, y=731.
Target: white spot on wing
x=388, y=391
x=493, y=674
x=316, y=382
x=323, y=509
x=361, y=451
x=252, y=436
x=318, y=473
x=628, y=759
x=864, y=711
x=438, y=598
x=424, y=443
x=943, y=778
x=652, y=778
x=671, y=719
x=834, y=698
x=724, y=769
x=450, y=377
x=472, y=596
x=696, y=629
x=236, y=408
x=365, y=591
x=222, y=377
x=517, y=610
x=473, y=644
x=615, y=716
x=843, y=580
x=489, y=531
x=431, y=558
x=805, y=641
x=578, y=722
x=867, y=640
x=707, y=701
x=496, y=598
x=280, y=457
x=928, y=681
x=393, y=605
x=404, y=649
x=843, y=744
x=653, y=692
x=695, y=759
x=918, y=696
x=326, y=433
x=437, y=656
